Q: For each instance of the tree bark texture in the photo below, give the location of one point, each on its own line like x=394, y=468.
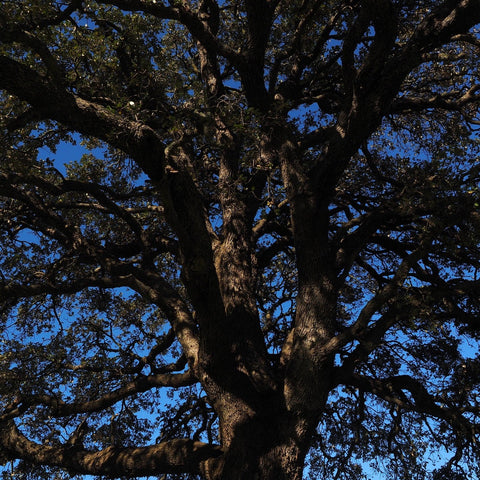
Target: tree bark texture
x=268, y=404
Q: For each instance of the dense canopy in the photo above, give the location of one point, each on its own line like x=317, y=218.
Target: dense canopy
x=240, y=238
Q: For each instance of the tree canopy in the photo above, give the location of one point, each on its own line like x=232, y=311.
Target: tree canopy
x=239, y=238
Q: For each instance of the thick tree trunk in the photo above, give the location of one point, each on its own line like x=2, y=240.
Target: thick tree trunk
x=263, y=461
x=266, y=446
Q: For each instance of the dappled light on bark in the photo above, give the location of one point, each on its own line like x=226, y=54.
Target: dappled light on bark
x=239, y=239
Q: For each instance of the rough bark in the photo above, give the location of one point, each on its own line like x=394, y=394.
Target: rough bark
x=268, y=408
x=182, y=455
x=268, y=446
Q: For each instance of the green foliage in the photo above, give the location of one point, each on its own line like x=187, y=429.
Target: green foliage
x=94, y=252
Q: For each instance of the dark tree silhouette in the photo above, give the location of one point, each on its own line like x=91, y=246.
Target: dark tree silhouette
x=267, y=252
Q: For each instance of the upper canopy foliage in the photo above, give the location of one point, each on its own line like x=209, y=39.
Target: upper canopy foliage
x=246, y=167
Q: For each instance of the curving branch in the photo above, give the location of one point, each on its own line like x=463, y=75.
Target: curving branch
x=46, y=217
x=147, y=283
x=452, y=100
x=46, y=20
x=182, y=13
x=174, y=456
x=30, y=41
x=52, y=100
x=13, y=291
x=68, y=186
x=360, y=327
x=409, y=394
x=59, y=408
x=362, y=230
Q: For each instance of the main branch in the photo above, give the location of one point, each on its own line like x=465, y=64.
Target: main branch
x=174, y=456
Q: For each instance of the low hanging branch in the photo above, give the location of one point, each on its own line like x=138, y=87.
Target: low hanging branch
x=174, y=456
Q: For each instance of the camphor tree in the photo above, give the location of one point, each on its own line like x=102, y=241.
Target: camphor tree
x=265, y=252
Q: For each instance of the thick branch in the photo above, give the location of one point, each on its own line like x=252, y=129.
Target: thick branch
x=88, y=118
x=174, y=456
x=259, y=21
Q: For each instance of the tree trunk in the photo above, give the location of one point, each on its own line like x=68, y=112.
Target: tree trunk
x=268, y=446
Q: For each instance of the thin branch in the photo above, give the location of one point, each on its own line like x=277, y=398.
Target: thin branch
x=59, y=408
x=182, y=13
x=392, y=390
x=68, y=186
x=11, y=291
x=45, y=21
x=373, y=305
